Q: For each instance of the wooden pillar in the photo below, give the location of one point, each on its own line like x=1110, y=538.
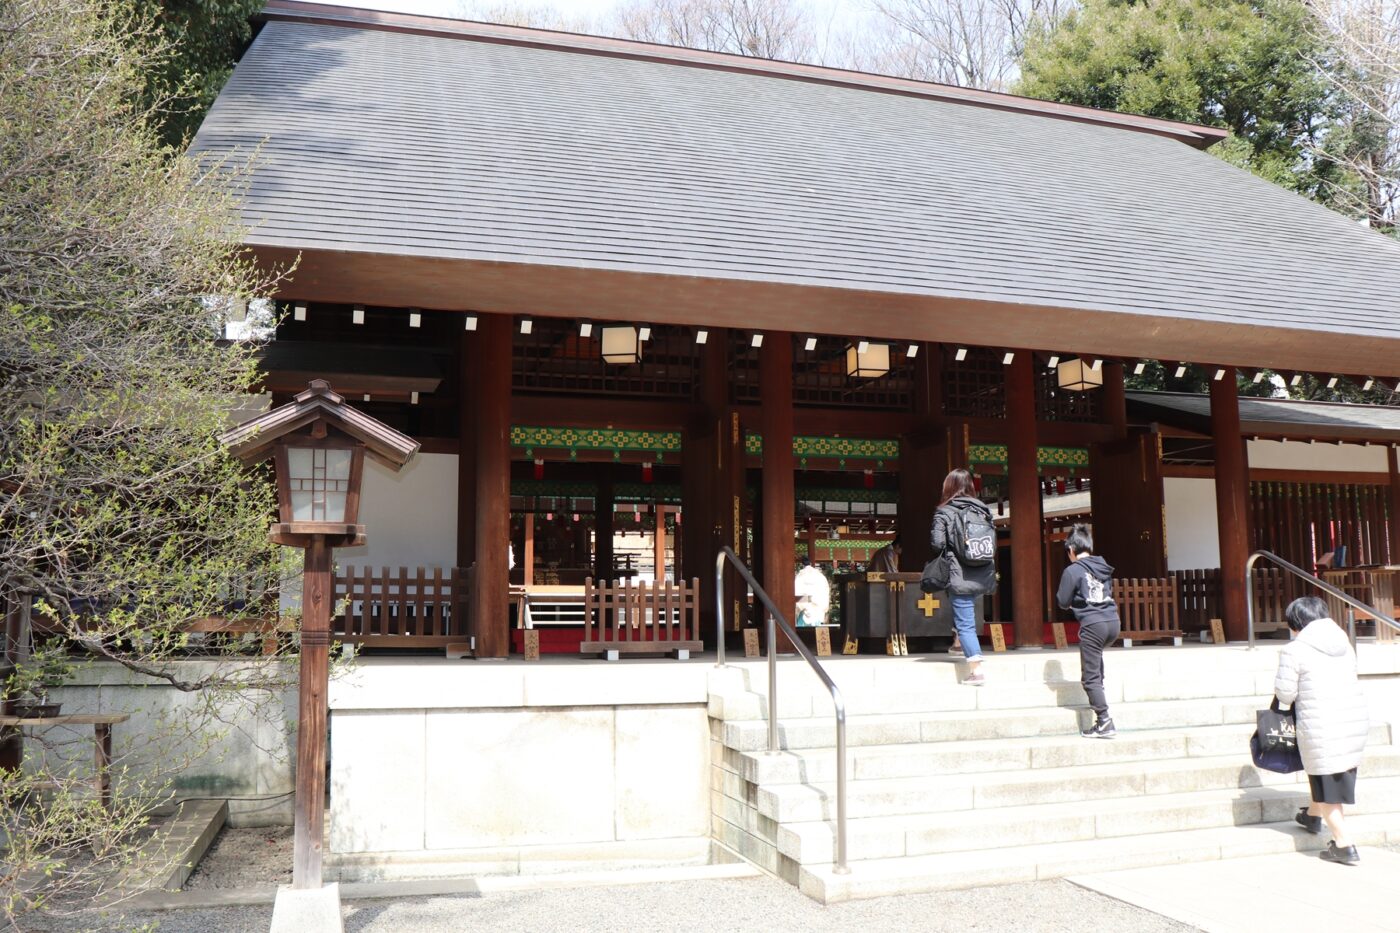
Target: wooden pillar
x=603, y=515
x=1022, y=454
x=491, y=583
x=659, y=544
x=1394, y=508
x=924, y=460
x=467, y=356
x=527, y=575
x=308, y=831
x=1115, y=400
x=1231, y=501
x=779, y=498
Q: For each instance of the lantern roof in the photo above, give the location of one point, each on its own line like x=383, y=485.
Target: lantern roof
x=254, y=440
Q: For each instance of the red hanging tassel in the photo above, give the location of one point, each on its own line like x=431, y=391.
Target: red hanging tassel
x=1079, y=483
x=1060, y=485
x=646, y=471
x=539, y=468
x=869, y=479
x=977, y=484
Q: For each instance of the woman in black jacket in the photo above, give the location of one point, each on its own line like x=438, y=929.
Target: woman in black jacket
x=958, y=507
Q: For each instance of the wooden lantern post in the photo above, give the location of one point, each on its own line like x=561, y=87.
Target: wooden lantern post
x=318, y=444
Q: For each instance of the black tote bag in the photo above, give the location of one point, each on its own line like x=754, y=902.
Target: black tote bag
x=1274, y=745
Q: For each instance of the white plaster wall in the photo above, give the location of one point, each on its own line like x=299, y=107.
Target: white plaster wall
x=1193, y=540
x=1341, y=458
x=410, y=518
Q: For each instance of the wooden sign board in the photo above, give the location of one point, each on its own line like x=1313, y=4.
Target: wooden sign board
x=998, y=636
x=852, y=646
x=823, y=642
x=1061, y=639
x=750, y=642
x=532, y=644
x=1217, y=631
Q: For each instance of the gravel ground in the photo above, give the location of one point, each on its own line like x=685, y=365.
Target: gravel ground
x=245, y=858
x=757, y=904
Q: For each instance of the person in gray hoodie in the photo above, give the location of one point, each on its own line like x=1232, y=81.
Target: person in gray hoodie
x=1317, y=675
x=1086, y=589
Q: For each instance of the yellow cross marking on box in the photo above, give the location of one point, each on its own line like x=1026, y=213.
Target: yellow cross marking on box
x=927, y=604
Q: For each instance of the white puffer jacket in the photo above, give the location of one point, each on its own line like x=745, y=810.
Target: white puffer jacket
x=1317, y=672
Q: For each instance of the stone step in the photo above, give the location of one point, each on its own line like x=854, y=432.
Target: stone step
x=929, y=759
x=963, y=831
x=949, y=871
x=963, y=725
x=802, y=702
x=787, y=803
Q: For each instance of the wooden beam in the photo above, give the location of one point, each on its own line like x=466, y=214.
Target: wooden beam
x=468, y=354
x=697, y=300
x=1231, y=501
x=491, y=583
x=1269, y=475
x=1027, y=571
x=1115, y=399
x=779, y=503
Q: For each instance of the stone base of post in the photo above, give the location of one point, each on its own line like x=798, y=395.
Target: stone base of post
x=307, y=910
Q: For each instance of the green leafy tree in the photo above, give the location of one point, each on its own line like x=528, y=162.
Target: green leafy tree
x=203, y=39
x=1252, y=68
x=122, y=518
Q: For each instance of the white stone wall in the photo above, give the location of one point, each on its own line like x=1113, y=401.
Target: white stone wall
x=501, y=768
x=240, y=750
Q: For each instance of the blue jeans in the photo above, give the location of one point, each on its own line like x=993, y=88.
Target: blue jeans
x=965, y=621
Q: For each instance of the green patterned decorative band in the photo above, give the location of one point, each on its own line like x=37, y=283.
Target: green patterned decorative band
x=661, y=443
x=667, y=493
x=833, y=448
x=1071, y=458
x=553, y=489
x=827, y=494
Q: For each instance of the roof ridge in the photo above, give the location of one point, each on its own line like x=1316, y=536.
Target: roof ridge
x=1266, y=399
x=351, y=17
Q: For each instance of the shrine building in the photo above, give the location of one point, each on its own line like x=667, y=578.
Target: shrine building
x=638, y=303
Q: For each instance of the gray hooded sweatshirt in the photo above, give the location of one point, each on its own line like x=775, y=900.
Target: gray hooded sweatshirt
x=1317, y=673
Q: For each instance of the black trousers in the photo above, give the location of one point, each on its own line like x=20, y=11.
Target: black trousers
x=1093, y=638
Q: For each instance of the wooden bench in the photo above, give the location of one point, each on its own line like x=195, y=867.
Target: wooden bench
x=631, y=617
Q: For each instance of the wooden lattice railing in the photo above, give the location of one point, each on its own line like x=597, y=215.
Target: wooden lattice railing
x=640, y=617
x=1199, y=597
x=1148, y=607
x=416, y=607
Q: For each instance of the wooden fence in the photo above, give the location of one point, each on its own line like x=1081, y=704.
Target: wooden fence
x=1198, y=597
x=639, y=617
x=1149, y=608
x=408, y=608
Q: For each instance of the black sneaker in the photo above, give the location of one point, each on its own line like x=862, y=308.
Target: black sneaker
x=1103, y=729
x=1345, y=855
x=1312, y=824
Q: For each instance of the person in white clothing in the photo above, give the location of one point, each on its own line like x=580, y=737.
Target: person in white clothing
x=1317, y=675
x=813, y=594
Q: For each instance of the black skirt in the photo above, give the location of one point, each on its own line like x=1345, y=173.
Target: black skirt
x=1333, y=788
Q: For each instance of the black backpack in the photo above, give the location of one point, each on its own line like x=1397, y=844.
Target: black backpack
x=973, y=538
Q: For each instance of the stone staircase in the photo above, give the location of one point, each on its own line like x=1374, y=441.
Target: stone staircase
x=952, y=786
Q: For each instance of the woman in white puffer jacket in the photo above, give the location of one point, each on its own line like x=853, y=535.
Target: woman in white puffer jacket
x=1317, y=674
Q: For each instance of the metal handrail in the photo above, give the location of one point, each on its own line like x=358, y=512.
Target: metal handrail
x=1316, y=581
x=777, y=618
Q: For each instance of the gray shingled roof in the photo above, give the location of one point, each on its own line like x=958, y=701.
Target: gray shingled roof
x=1271, y=415
x=442, y=146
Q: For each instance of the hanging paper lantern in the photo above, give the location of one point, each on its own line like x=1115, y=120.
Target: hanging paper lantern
x=646, y=471
x=539, y=468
